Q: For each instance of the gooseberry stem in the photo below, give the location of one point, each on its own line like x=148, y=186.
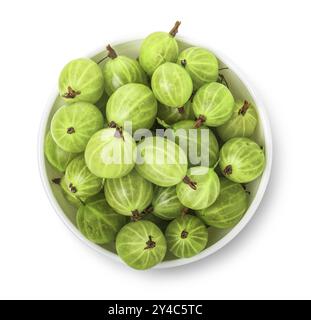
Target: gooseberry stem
x=183, y=62
x=135, y=215
x=111, y=52
x=71, y=130
x=222, y=80
x=224, y=68
x=184, y=234
x=199, y=121
x=72, y=188
x=150, y=244
x=119, y=132
x=228, y=170
x=174, y=30
x=190, y=183
x=244, y=108
x=71, y=94
x=57, y=181
x=181, y=110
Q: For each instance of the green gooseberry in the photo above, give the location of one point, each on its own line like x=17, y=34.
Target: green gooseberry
x=81, y=80
x=56, y=156
x=111, y=153
x=158, y=48
x=161, y=161
x=162, y=224
x=229, y=207
x=201, y=64
x=171, y=85
x=242, y=123
x=72, y=126
x=79, y=181
x=97, y=221
x=166, y=204
x=241, y=160
x=129, y=195
x=186, y=236
x=141, y=245
x=199, y=189
x=133, y=103
x=120, y=70
x=213, y=104
x=190, y=139
x=172, y=115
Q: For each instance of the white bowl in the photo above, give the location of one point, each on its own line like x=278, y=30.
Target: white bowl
x=217, y=238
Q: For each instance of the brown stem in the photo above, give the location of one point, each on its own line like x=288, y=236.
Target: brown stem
x=135, y=216
x=228, y=170
x=111, y=52
x=199, y=121
x=119, y=132
x=57, y=181
x=71, y=94
x=174, y=30
x=181, y=110
x=244, y=108
x=190, y=183
x=71, y=130
x=150, y=244
x=183, y=62
x=72, y=188
x=184, y=234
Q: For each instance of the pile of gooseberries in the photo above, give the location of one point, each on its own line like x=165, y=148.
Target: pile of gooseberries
x=153, y=151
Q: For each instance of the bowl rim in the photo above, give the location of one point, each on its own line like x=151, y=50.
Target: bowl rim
x=235, y=230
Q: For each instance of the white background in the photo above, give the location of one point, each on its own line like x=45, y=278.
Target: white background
x=268, y=40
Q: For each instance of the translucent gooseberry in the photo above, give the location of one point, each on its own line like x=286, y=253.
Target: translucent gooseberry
x=72, y=126
x=81, y=80
x=141, y=245
x=186, y=236
x=241, y=160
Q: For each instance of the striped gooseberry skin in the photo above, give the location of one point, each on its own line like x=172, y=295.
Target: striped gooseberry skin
x=132, y=102
x=79, y=180
x=72, y=126
x=56, y=156
x=242, y=123
x=241, y=160
x=109, y=155
x=184, y=138
x=229, y=207
x=97, y=221
x=141, y=245
x=206, y=191
x=171, y=85
x=81, y=80
x=186, y=236
x=130, y=194
x=161, y=161
x=172, y=115
x=156, y=49
x=166, y=204
x=201, y=64
x=214, y=103
x=120, y=71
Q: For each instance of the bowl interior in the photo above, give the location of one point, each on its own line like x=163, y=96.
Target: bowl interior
x=131, y=49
